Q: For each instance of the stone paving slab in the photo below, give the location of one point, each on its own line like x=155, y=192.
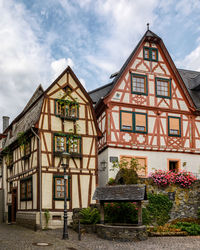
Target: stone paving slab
x=13, y=237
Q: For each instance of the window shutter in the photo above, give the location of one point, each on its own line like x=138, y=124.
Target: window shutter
x=174, y=123
x=126, y=121
x=140, y=120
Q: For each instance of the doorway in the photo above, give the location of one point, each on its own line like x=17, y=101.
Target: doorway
x=14, y=205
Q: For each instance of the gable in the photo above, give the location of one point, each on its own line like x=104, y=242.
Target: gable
x=158, y=75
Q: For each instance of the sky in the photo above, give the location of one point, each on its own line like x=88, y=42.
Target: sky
x=38, y=39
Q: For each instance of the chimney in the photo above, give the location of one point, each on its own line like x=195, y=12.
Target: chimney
x=5, y=122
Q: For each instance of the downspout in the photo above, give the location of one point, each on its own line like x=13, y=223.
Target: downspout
x=40, y=175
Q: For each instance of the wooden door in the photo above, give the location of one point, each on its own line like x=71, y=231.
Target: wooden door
x=14, y=205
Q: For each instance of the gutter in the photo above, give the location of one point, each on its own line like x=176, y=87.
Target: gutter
x=40, y=175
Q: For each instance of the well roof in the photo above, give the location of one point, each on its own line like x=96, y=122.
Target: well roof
x=121, y=193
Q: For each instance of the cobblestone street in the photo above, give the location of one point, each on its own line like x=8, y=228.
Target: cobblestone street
x=13, y=237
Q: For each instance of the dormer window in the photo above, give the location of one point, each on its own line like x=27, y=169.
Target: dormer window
x=150, y=54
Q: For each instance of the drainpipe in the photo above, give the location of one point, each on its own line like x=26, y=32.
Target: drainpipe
x=40, y=175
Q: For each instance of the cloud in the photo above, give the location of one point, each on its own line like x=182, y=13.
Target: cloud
x=59, y=65
x=23, y=60
x=191, y=61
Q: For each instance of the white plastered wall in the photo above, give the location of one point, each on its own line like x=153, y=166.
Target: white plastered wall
x=155, y=160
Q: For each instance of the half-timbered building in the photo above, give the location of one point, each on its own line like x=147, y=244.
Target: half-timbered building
x=59, y=119
x=149, y=111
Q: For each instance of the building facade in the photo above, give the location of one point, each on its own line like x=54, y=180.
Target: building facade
x=149, y=111
x=59, y=119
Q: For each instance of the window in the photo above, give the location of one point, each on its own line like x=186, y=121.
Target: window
x=139, y=84
x=126, y=121
x=163, y=88
x=173, y=165
x=67, y=143
x=66, y=109
x=59, y=188
x=150, y=54
x=140, y=122
x=60, y=143
x=174, y=126
x=26, y=189
x=142, y=164
x=74, y=145
x=133, y=122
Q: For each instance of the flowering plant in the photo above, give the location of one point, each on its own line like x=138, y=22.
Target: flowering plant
x=164, y=178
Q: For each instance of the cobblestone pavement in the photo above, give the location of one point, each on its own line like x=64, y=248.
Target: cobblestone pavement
x=14, y=237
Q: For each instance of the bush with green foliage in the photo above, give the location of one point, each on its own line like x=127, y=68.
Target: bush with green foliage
x=127, y=171
x=89, y=216
x=111, y=181
x=190, y=228
x=157, y=211
x=122, y=212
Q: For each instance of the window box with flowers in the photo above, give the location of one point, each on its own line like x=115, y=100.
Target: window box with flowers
x=67, y=109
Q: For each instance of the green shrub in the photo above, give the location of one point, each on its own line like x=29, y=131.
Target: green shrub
x=157, y=211
x=190, y=228
x=89, y=216
x=123, y=212
x=127, y=173
x=189, y=219
x=111, y=181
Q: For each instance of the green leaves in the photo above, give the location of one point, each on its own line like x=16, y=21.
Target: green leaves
x=190, y=228
x=89, y=216
x=158, y=209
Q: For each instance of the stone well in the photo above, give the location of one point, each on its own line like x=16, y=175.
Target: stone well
x=121, y=193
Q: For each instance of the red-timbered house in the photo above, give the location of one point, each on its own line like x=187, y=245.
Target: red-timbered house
x=149, y=111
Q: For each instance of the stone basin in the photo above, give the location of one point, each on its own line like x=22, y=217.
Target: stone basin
x=122, y=232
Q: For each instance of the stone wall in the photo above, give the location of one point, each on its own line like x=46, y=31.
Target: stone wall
x=186, y=201
x=1, y=206
x=122, y=232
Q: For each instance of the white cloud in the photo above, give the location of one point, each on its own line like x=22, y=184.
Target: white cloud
x=124, y=21
x=23, y=61
x=191, y=61
x=59, y=65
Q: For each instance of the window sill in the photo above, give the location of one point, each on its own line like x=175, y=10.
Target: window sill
x=60, y=199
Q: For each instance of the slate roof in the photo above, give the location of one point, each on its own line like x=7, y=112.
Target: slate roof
x=121, y=193
x=192, y=82
x=100, y=92
x=26, y=119
x=190, y=78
